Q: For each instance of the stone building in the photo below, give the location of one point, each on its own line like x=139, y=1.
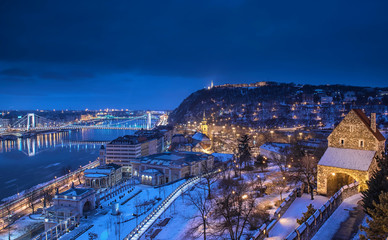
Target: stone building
x=103, y=176
x=351, y=154
x=73, y=202
x=170, y=166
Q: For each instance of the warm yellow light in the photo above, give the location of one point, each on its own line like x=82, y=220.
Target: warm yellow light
x=244, y=196
x=333, y=174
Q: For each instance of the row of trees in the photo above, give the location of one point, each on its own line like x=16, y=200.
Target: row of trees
x=231, y=208
x=226, y=200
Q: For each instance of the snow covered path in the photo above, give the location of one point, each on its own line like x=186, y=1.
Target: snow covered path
x=331, y=226
x=288, y=223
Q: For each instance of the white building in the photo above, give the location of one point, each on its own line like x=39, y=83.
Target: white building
x=170, y=166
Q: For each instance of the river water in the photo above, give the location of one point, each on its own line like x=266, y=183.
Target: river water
x=27, y=162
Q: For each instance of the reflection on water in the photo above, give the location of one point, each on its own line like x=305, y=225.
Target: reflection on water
x=30, y=161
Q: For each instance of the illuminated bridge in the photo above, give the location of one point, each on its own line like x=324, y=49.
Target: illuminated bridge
x=34, y=122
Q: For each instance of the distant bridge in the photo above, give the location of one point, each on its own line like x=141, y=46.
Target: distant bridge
x=34, y=122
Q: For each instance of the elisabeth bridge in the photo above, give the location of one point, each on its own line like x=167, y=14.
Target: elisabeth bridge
x=33, y=122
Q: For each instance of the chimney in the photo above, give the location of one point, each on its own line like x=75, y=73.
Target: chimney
x=373, y=122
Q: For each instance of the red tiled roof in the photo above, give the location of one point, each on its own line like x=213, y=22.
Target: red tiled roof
x=366, y=121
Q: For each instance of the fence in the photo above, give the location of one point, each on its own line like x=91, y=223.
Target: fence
x=308, y=229
x=151, y=218
x=58, y=230
x=265, y=228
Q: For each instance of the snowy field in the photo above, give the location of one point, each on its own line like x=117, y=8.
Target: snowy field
x=182, y=214
x=288, y=223
x=105, y=225
x=331, y=226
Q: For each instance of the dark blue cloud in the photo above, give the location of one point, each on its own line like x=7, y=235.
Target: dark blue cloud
x=107, y=54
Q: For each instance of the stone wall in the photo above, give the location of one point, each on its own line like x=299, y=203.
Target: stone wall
x=353, y=130
x=324, y=172
x=308, y=229
x=266, y=227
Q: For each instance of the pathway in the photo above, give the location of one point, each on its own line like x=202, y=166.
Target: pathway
x=287, y=223
x=339, y=225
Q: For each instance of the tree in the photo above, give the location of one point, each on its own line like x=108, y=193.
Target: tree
x=79, y=175
x=306, y=167
x=306, y=215
x=233, y=208
x=257, y=218
x=378, y=224
x=244, y=151
x=378, y=183
x=261, y=162
x=48, y=194
x=278, y=185
x=209, y=177
x=31, y=198
x=204, y=206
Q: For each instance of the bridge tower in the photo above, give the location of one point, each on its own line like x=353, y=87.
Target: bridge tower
x=148, y=120
x=31, y=123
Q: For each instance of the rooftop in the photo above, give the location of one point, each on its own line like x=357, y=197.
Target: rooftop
x=75, y=192
x=347, y=158
x=367, y=122
x=173, y=158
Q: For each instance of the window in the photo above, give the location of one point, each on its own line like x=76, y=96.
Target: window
x=361, y=143
x=342, y=141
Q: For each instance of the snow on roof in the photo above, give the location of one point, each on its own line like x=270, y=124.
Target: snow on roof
x=347, y=158
x=98, y=170
x=94, y=175
x=173, y=158
x=200, y=137
x=223, y=157
x=152, y=171
x=75, y=191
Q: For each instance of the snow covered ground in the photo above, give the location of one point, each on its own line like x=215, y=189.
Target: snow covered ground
x=288, y=223
x=182, y=213
x=331, y=226
x=22, y=226
x=105, y=224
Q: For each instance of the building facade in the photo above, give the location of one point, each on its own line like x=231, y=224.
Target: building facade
x=351, y=154
x=103, y=176
x=144, y=142
x=73, y=202
x=170, y=166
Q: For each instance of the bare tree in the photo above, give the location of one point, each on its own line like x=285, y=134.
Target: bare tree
x=278, y=184
x=78, y=176
x=233, y=208
x=48, y=194
x=204, y=205
x=306, y=168
x=280, y=161
x=210, y=177
x=31, y=198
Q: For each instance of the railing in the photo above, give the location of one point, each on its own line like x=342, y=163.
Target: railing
x=58, y=230
x=151, y=218
x=265, y=228
x=308, y=229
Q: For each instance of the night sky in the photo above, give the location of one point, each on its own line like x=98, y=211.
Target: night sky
x=153, y=54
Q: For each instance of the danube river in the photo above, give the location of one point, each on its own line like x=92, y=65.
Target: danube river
x=27, y=162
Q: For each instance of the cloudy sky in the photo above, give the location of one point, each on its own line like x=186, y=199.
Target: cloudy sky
x=152, y=54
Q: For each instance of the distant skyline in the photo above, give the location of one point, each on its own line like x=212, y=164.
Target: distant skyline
x=153, y=54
